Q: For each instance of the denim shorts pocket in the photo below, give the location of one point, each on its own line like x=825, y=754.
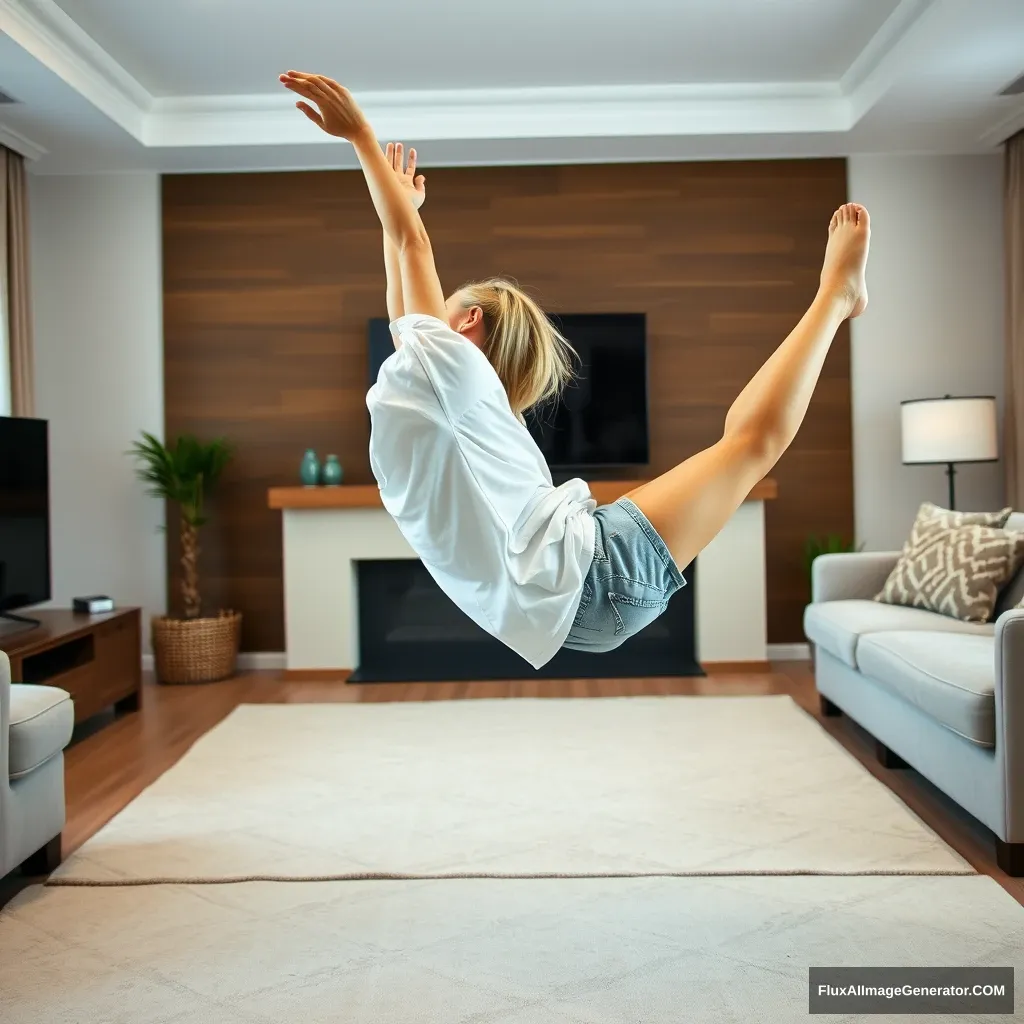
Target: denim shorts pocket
x=634, y=605
x=581, y=611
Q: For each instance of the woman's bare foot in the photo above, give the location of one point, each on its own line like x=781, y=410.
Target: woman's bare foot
x=846, y=257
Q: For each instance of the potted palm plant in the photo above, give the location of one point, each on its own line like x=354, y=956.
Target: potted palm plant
x=190, y=647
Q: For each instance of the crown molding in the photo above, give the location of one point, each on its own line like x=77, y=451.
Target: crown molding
x=42, y=29
x=876, y=69
x=574, y=112
x=16, y=141
x=1010, y=124
x=903, y=18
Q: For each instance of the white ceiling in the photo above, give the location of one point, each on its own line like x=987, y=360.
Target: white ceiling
x=109, y=85
x=198, y=47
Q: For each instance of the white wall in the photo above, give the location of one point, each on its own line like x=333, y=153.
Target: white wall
x=934, y=325
x=96, y=288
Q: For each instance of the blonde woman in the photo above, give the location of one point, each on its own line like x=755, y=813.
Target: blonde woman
x=537, y=566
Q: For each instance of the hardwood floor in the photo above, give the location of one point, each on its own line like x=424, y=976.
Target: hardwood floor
x=113, y=759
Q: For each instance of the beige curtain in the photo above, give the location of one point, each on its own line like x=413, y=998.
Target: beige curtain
x=1013, y=442
x=14, y=280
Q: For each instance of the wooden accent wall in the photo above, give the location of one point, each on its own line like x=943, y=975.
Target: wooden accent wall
x=269, y=280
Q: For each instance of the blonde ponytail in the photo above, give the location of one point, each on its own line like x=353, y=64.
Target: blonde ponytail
x=532, y=359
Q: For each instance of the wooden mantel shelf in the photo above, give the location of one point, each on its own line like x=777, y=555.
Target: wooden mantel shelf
x=368, y=496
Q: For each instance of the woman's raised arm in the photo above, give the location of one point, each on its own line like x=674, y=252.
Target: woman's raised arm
x=340, y=115
x=414, y=186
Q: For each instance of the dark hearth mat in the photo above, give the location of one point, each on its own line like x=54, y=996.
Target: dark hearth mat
x=410, y=631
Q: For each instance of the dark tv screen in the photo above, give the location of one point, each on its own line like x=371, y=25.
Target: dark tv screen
x=24, y=513
x=600, y=420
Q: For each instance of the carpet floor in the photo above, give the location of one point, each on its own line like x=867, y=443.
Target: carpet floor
x=498, y=862
x=725, y=950
x=524, y=788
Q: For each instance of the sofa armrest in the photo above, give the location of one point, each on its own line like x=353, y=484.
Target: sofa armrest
x=1009, y=698
x=857, y=574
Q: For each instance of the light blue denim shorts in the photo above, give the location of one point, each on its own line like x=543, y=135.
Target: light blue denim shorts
x=629, y=582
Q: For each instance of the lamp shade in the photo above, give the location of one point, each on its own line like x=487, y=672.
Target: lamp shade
x=949, y=430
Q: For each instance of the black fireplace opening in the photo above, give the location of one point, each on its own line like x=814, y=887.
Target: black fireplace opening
x=411, y=631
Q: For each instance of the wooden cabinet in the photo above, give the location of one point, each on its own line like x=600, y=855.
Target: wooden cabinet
x=96, y=658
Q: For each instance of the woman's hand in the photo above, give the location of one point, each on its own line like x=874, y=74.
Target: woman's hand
x=339, y=114
x=415, y=186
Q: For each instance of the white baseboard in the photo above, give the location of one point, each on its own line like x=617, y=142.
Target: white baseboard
x=274, y=661
x=271, y=661
x=789, y=652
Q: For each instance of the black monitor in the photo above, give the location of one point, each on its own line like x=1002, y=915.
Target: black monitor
x=601, y=419
x=24, y=513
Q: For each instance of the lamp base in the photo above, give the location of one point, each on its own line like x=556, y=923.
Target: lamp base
x=951, y=473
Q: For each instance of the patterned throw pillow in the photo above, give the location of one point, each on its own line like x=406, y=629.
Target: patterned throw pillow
x=930, y=516
x=934, y=517
x=954, y=571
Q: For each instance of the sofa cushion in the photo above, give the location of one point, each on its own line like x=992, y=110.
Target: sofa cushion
x=958, y=572
x=42, y=718
x=930, y=518
x=838, y=625
x=950, y=678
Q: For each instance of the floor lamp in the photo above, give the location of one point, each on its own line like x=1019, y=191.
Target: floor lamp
x=947, y=431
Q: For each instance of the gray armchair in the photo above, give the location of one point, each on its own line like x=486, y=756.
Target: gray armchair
x=35, y=727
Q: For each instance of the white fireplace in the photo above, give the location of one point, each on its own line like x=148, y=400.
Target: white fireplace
x=327, y=531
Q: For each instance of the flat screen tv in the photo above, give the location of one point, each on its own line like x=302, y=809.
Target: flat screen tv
x=24, y=513
x=600, y=421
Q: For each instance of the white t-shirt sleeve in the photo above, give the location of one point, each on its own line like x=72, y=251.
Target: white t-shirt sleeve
x=410, y=431
x=457, y=370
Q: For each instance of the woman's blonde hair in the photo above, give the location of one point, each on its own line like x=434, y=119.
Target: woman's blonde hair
x=532, y=359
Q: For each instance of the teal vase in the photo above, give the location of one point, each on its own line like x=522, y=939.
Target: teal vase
x=309, y=471
x=332, y=472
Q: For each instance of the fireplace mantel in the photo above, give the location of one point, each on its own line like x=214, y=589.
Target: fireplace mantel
x=368, y=496
x=328, y=530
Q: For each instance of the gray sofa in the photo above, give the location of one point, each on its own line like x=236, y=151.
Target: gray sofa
x=35, y=727
x=942, y=696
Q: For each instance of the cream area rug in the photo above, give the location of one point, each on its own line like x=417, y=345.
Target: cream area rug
x=513, y=788
x=725, y=950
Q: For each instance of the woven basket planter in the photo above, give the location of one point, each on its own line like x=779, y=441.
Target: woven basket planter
x=196, y=650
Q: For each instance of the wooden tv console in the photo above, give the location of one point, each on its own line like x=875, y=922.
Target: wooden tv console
x=96, y=658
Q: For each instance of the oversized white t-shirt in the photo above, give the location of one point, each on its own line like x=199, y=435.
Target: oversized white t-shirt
x=471, y=492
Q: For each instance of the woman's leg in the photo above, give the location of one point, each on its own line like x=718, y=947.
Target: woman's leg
x=690, y=504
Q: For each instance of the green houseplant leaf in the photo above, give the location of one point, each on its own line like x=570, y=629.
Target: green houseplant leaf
x=183, y=473
x=827, y=544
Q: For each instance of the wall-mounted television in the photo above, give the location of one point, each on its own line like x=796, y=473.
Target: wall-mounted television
x=24, y=513
x=601, y=420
